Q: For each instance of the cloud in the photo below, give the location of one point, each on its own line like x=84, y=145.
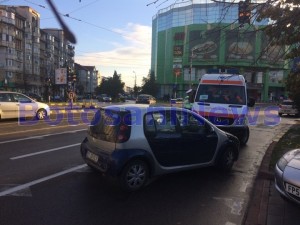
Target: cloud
x=131, y=53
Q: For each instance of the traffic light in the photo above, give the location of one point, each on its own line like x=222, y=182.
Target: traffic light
x=70, y=74
x=244, y=12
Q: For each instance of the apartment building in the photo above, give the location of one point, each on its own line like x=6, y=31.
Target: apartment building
x=30, y=56
x=87, y=79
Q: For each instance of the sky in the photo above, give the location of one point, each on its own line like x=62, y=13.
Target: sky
x=112, y=35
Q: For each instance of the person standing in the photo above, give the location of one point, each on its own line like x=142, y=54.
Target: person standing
x=189, y=99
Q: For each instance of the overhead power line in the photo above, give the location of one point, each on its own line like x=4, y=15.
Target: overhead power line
x=80, y=20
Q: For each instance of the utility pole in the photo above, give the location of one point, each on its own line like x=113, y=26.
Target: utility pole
x=134, y=78
x=191, y=68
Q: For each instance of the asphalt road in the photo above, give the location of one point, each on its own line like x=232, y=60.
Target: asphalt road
x=43, y=180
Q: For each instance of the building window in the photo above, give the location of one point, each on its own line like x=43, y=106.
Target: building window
x=8, y=74
x=276, y=77
x=9, y=62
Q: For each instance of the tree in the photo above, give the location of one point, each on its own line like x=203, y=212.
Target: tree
x=284, y=30
x=149, y=85
x=112, y=86
x=293, y=84
x=285, y=25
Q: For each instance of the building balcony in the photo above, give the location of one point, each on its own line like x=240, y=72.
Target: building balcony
x=7, y=20
x=7, y=44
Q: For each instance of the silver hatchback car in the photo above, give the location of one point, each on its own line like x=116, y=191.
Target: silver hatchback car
x=287, y=175
x=137, y=142
x=18, y=105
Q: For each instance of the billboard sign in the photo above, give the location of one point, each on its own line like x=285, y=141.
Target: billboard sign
x=61, y=76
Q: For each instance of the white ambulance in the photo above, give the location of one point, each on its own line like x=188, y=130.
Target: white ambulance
x=222, y=99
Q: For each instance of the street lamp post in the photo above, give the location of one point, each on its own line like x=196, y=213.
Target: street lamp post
x=134, y=88
x=5, y=83
x=134, y=78
x=91, y=80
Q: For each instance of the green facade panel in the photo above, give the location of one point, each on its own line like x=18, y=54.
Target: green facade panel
x=212, y=46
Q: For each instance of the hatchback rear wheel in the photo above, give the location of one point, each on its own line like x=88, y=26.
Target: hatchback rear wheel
x=134, y=176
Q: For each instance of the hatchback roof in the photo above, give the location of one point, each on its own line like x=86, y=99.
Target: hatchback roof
x=142, y=107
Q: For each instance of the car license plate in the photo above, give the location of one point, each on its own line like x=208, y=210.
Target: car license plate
x=92, y=156
x=292, y=189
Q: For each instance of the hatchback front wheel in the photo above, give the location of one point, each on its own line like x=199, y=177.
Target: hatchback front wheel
x=41, y=114
x=227, y=159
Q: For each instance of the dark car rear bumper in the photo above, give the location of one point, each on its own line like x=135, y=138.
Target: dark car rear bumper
x=112, y=164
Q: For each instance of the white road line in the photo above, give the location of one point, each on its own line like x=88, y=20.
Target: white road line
x=40, y=136
x=45, y=151
x=51, y=127
x=244, y=186
x=27, y=185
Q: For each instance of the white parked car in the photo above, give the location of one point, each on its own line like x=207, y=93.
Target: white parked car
x=288, y=107
x=18, y=105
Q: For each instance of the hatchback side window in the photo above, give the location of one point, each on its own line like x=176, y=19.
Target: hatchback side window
x=150, y=124
x=161, y=123
x=4, y=97
x=21, y=98
x=167, y=122
x=190, y=123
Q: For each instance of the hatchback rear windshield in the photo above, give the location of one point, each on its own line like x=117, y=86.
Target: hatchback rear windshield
x=143, y=97
x=111, y=125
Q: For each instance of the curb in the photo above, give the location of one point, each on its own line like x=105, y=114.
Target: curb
x=256, y=212
x=66, y=111
x=76, y=110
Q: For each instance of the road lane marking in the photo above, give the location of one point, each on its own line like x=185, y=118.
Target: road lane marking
x=43, y=152
x=23, y=193
x=46, y=128
x=29, y=184
x=40, y=136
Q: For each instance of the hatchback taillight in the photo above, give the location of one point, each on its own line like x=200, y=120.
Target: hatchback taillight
x=124, y=133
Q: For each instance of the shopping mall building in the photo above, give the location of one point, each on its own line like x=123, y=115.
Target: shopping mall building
x=195, y=37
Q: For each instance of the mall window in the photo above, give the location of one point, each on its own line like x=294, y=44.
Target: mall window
x=276, y=77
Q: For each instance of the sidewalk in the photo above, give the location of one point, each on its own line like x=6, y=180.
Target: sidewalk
x=75, y=107
x=266, y=206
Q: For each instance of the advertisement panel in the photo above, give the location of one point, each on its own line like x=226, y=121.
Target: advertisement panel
x=61, y=76
x=271, y=54
x=240, y=45
x=204, y=45
x=177, y=50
